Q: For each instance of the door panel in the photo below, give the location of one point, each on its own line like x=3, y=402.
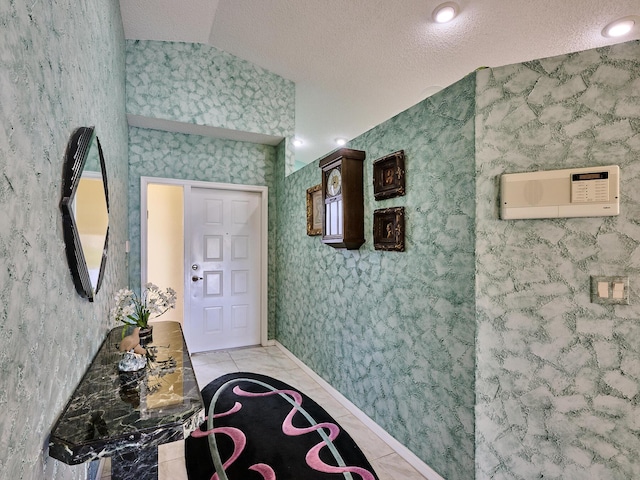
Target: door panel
x=225, y=278
x=213, y=248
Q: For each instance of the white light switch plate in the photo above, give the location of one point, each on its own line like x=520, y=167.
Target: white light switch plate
x=613, y=294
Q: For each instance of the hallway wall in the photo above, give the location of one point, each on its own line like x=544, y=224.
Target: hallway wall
x=558, y=377
x=394, y=331
x=61, y=67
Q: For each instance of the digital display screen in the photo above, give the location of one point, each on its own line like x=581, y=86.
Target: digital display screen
x=578, y=177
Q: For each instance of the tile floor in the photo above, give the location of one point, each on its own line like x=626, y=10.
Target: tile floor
x=274, y=362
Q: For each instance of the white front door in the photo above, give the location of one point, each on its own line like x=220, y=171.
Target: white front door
x=224, y=271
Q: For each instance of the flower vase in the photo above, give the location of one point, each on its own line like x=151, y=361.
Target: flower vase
x=146, y=335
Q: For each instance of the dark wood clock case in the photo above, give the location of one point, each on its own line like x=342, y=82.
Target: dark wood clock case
x=343, y=213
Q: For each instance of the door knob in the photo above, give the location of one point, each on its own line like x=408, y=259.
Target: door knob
x=195, y=278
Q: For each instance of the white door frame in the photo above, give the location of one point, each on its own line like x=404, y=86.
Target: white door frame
x=264, y=233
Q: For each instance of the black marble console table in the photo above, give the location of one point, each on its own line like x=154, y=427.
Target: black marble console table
x=126, y=416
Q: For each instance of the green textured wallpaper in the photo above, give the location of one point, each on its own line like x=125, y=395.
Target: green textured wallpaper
x=61, y=66
x=155, y=153
x=477, y=347
x=201, y=85
x=558, y=378
x=394, y=332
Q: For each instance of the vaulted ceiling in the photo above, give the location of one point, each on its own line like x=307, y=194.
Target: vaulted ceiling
x=357, y=63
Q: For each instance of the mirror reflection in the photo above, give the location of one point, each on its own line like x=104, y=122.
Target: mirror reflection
x=92, y=220
x=85, y=211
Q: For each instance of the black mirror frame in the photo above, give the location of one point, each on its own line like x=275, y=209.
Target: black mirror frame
x=80, y=143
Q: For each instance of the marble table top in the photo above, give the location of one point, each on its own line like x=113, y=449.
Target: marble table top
x=112, y=412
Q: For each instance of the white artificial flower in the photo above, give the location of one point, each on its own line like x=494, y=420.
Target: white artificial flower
x=133, y=310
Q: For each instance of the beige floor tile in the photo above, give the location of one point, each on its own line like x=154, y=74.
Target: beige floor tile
x=210, y=371
x=298, y=379
x=171, y=451
x=372, y=445
x=267, y=364
x=249, y=352
x=260, y=354
x=106, y=469
x=326, y=401
x=172, y=470
x=393, y=466
x=210, y=357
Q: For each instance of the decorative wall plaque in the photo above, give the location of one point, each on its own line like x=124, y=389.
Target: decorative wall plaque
x=388, y=176
x=388, y=229
x=314, y=210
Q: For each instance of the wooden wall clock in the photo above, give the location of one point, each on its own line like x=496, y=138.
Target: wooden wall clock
x=343, y=198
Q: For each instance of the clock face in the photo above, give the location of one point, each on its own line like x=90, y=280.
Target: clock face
x=334, y=182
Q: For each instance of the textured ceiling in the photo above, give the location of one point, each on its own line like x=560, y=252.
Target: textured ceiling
x=357, y=63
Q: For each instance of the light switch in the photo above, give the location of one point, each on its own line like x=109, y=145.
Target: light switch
x=603, y=289
x=618, y=290
x=610, y=290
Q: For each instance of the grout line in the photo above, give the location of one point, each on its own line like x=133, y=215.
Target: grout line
x=424, y=469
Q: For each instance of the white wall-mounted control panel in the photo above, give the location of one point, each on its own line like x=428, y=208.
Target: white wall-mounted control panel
x=574, y=192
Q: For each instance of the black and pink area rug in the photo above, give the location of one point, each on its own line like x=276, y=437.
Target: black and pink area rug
x=259, y=428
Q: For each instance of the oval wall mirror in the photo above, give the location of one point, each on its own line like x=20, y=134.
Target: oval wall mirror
x=85, y=211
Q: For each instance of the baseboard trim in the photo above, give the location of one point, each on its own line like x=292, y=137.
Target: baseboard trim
x=399, y=448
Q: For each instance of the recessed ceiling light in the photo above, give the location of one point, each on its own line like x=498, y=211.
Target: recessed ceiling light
x=445, y=12
x=297, y=142
x=620, y=27
x=341, y=141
